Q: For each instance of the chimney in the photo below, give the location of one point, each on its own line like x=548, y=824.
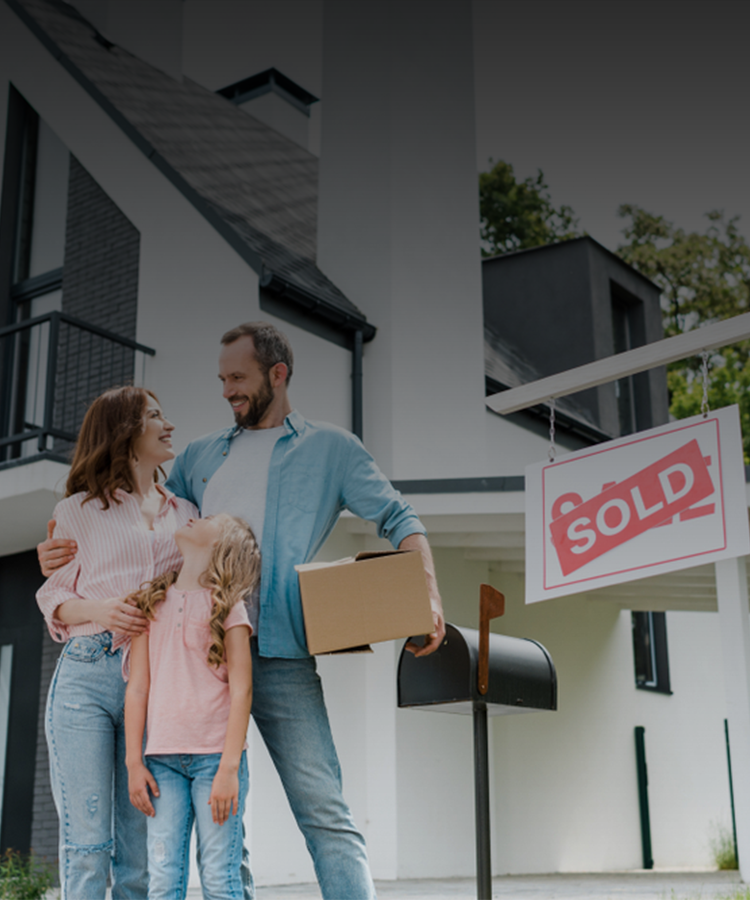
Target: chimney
x=276, y=100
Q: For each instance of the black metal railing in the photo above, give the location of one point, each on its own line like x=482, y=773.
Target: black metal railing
x=52, y=367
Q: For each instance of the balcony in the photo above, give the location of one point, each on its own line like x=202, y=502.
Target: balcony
x=52, y=367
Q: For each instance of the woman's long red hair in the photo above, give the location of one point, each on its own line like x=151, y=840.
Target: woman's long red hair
x=103, y=458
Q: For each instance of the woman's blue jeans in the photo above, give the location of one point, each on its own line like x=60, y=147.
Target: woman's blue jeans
x=99, y=828
x=290, y=712
x=184, y=782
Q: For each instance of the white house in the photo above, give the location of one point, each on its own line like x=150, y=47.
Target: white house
x=153, y=214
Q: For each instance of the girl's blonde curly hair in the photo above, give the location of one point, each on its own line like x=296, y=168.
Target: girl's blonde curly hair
x=231, y=575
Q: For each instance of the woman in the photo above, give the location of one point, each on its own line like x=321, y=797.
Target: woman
x=123, y=523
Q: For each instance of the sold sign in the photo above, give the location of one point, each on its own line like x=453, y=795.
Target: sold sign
x=594, y=516
x=623, y=511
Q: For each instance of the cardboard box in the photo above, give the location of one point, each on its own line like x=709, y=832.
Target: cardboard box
x=364, y=599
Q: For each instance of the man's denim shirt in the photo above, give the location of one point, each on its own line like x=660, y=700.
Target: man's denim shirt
x=316, y=471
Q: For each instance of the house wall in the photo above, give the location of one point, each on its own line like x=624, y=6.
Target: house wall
x=565, y=783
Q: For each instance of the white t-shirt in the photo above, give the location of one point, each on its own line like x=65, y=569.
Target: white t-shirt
x=239, y=485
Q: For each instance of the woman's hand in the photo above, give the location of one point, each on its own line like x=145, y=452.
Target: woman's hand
x=54, y=552
x=224, y=799
x=140, y=780
x=119, y=614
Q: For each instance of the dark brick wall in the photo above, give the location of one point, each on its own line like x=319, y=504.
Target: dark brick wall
x=100, y=275
x=44, y=828
x=100, y=285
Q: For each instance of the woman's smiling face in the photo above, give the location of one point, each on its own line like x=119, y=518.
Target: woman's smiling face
x=154, y=444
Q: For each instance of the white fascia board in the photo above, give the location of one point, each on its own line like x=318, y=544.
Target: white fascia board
x=602, y=371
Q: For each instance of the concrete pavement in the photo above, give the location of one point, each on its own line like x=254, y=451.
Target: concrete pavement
x=637, y=885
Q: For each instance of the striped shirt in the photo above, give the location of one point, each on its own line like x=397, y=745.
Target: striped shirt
x=116, y=554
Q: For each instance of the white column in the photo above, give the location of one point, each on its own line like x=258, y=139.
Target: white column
x=734, y=616
x=381, y=760
x=398, y=224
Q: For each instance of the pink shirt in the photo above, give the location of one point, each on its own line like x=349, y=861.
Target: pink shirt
x=188, y=701
x=116, y=554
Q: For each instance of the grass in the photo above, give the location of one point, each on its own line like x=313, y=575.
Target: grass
x=722, y=849
x=24, y=877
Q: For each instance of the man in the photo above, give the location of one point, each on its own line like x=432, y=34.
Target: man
x=290, y=479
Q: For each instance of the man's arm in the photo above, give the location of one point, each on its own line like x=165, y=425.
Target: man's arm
x=435, y=639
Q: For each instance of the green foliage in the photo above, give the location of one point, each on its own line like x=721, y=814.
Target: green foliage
x=24, y=877
x=704, y=277
x=519, y=214
x=722, y=847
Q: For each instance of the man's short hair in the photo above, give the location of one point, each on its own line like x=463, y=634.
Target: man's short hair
x=271, y=345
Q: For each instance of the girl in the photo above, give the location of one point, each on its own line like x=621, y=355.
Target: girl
x=123, y=523
x=190, y=683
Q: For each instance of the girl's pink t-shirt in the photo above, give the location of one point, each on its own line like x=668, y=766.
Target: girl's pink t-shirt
x=188, y=701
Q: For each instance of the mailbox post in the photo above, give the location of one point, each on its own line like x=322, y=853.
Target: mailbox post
x=483, y=674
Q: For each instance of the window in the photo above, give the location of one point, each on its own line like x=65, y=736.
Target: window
x=628, y=331
x=621, y=333
x=650, y=651
x=37, y=166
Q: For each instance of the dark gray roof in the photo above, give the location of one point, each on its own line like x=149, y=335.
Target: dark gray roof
x=255, y=185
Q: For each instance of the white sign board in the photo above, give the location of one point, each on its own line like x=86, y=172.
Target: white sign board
x=651, y=502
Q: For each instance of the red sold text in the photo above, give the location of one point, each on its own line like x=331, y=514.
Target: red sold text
x=625, y=510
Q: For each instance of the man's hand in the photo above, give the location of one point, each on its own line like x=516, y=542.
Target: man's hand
x=433, y=640
x=54, y=552
x=436, y=637
x=140, y=780
x=225, y=793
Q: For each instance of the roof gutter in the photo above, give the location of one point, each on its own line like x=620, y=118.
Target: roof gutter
x=343, y=321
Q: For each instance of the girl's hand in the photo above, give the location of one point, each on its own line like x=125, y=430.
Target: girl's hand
x=140, y=780
x=224, y=799
x=118, y=614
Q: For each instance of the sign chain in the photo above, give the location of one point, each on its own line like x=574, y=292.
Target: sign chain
x=704, y=368
x=552, y=449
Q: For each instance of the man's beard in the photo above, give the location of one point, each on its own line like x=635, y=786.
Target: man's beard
x=257, y=405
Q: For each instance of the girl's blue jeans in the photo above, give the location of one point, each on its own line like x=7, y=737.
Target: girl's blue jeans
x=99, y=827
x=184, y=782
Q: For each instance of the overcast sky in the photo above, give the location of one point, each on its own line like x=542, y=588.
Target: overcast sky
x=637, y=101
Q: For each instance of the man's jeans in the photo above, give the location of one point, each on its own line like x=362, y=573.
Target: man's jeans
x=290, y=713
x=86, y=739
x=184, y=782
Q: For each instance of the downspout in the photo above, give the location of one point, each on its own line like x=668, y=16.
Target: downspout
x=357, y=345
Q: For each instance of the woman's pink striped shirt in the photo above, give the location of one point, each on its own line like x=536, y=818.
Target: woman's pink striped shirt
x=116, y=554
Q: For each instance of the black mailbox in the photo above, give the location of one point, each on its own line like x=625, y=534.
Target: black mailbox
x=480, y=674
x=521, y=675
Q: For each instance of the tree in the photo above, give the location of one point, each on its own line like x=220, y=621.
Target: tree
x=704, y=277
x=519, y=214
